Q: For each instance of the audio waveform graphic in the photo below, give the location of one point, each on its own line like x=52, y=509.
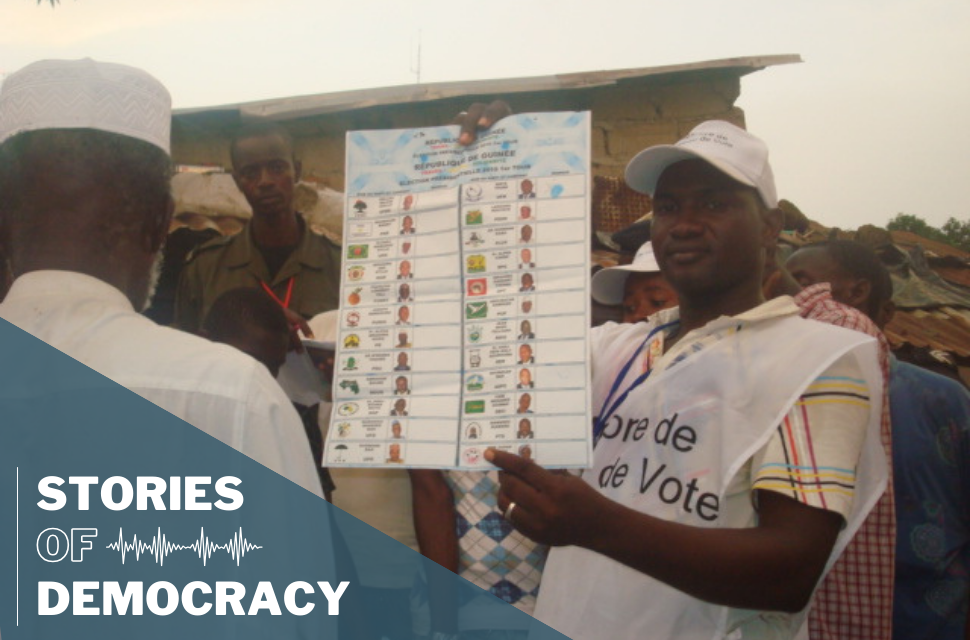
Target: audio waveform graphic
x=160, y=547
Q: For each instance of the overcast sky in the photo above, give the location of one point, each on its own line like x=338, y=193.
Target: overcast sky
x=868, y=126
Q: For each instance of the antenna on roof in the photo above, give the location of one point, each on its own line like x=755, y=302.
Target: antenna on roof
x=416, y=64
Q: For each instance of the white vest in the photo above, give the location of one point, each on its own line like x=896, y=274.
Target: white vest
x=683, y=435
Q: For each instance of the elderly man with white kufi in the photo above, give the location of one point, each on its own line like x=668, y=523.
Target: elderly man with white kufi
x=85, y=208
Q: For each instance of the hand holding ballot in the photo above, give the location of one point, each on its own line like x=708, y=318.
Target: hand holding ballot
x=550, y=507
x=478, y=117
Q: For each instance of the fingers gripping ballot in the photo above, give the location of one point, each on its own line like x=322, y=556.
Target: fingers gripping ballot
x=478, y=117
x=298, y=324
x=549, y=507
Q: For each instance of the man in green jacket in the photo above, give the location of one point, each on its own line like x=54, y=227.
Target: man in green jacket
x=276, y=251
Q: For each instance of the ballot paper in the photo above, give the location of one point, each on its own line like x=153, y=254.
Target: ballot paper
x=302, y=378
x=465, y=297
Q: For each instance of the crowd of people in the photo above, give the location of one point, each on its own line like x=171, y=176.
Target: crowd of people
x=764, y=467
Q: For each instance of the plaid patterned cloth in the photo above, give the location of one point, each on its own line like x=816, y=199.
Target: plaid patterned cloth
x=855, y=600
x=492, y=554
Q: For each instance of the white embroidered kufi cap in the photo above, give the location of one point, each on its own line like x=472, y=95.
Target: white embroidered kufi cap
x=86, y=94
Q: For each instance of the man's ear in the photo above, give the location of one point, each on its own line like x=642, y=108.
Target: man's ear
x=297, y=170
x=771, y=227
x=857, y=294
x=774, y=219
x=886, y=314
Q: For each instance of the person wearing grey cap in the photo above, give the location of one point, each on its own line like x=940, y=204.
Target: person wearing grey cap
x=638, y=286
x=85, y=208
x=736, y=449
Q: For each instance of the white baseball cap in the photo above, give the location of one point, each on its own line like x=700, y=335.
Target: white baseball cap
x=86, y=94
x=607, y=284
x=730, y=149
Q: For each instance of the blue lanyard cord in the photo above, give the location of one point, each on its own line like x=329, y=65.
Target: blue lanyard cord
x=605, y=414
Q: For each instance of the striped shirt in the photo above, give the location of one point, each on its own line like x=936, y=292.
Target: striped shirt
x=813, y=454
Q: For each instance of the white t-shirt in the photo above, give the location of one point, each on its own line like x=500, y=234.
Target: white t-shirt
x=214, y=387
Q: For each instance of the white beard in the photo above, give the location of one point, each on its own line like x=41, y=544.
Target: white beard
x=153, y=277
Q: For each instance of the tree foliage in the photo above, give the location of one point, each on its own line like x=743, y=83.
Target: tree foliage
x=958, y=233
x=954, y=232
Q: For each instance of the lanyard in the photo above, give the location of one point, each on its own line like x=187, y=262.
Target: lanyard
x=285, y=302
x=605, y=413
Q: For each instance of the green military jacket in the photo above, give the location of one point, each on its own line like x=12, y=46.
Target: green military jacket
x=235, y=261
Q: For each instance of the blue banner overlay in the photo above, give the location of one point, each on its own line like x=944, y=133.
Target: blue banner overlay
x=120, y=520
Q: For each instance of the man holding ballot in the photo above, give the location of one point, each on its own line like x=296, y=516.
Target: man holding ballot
x=736, y=444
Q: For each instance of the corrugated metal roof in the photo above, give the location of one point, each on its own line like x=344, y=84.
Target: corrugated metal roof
x=918, y=289
x=303, y=106
x=954, y=275
x=945, y=329
x=933, y=248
